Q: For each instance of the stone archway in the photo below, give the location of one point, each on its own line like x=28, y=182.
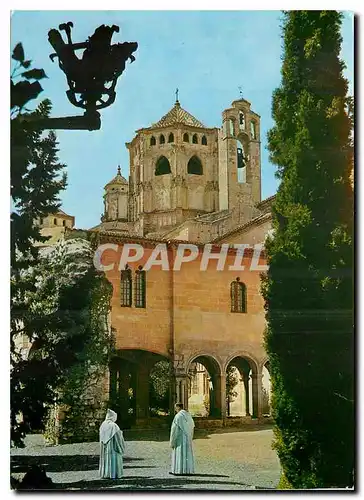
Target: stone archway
x=204, y=387
x=242, y=391
x=129, y=386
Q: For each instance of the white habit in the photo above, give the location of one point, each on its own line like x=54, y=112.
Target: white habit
x=112, y=447
x=181, y=443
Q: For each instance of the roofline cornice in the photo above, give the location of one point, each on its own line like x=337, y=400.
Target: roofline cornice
x=113, y=236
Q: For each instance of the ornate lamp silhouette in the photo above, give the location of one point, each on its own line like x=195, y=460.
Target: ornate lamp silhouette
x=92, y=78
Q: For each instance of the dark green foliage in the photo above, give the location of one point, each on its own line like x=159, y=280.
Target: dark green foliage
x=308, y=289
x=66, y=318
x=58, y=302
x=24, y=91
x=159, y=387
x=36, y=180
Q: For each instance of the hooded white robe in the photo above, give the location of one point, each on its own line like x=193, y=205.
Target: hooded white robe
x=181, y=443
x=112, y=447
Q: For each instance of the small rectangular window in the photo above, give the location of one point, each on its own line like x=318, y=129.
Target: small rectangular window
x=140, y=288
x=126, y=288
x=238, y=297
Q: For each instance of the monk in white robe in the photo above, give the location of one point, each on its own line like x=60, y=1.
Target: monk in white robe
x=112, y=447
x=181, y=442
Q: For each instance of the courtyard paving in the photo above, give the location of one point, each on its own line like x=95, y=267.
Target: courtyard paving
x=226, y=459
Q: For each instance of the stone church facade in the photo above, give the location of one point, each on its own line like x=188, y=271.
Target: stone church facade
x=193, y=185
x=188, y=182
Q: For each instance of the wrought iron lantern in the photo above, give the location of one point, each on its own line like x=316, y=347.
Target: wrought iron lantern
x=91, y=78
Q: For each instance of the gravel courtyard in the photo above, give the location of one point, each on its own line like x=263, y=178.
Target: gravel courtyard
x=227, y=459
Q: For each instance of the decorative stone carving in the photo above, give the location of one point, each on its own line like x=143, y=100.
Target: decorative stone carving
x=178, y=363
x=209, y=186
x=113, y=209
x=178, y=180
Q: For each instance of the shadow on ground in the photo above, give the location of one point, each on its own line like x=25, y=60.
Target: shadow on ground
x=163, y=434
x=137, y=483
x=63, y=463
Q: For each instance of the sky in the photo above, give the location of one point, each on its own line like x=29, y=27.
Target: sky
x=208, y=55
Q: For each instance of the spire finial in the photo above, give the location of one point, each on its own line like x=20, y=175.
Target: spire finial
x=177, y=101
x=119, y=170
x=240, y=91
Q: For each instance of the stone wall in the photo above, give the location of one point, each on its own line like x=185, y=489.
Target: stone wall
x=249, y=234
x=81, y=421
x=75, y=425
x=189, y=310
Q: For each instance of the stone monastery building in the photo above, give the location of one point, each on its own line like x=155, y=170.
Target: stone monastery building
x=197, y=185
x=201, y=187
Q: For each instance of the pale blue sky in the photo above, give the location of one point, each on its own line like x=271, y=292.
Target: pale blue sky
x=207, y=55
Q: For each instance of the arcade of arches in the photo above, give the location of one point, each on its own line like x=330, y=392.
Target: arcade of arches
x=190, y=328
x=143, y=388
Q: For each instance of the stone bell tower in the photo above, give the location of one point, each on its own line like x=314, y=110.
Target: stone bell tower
x=116, y=199
x=239, y=158
x=173, y=171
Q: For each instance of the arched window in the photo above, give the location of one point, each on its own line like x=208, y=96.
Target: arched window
x=231, y=128
x=241, y=162
x=195, y=166
x=194, y=139
x=152, y=141
x=171, y=137
x=186, y=138
x=238, y=296
x=253, y=131
x=63, y=223
x=161, y=139
x=162, y=167
x=55, y=222
x=241, y=120
x=204, y=141
x=126, y=287
x=140, y=287
x=241, y=158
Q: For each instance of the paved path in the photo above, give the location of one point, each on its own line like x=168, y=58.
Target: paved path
x=225, y=460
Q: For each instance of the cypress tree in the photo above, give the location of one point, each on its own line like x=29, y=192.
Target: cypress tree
x=59, y=302
x=308, y=289
x=37, y=178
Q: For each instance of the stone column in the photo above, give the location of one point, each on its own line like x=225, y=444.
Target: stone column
x=142, y=392
x=220, y=394
x=178, y=390
x=184, y=393
x=257, y=394
x=172, y=393
x=260, y=394
x=212, y=396
x=246, y=390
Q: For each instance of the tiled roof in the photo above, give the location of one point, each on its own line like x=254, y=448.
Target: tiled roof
x=266, y=205
x=178, y=115
x=213, y=216
x=115, y=236
x=254, y=222
x=118, y=179
x=61, y=212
